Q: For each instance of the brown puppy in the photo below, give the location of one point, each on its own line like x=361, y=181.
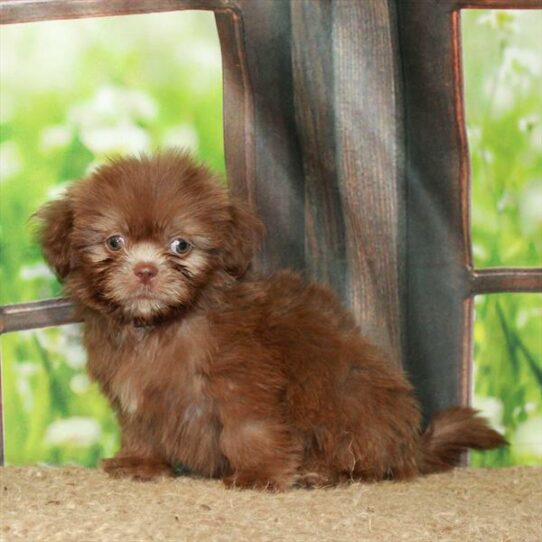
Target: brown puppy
x=265, y=382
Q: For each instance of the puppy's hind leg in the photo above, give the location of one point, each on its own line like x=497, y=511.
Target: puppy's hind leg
x=263, y=454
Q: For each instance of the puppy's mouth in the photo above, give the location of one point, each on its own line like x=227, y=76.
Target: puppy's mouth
x=144, y=293
x=147, y=307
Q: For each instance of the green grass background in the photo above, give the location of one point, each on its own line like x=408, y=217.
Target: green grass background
x=502, y=52
x=72, y=93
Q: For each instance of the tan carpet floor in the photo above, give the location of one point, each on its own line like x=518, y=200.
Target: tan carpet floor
x=85, y=505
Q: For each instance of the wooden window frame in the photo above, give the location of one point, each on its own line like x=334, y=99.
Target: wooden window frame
x=405, y=268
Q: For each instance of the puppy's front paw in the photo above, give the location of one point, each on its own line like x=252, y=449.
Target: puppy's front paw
x=137, y=468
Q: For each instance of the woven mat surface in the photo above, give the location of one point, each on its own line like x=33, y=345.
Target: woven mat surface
x=83, y=505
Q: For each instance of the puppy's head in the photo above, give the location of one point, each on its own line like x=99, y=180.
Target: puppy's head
x=141, y=238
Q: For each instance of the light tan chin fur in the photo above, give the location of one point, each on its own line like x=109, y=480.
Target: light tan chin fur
x=143, y=308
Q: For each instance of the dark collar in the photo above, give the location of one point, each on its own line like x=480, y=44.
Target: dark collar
x=159, y=321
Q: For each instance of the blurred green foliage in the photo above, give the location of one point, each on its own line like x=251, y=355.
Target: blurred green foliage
x=502, y=53
x=70, y=95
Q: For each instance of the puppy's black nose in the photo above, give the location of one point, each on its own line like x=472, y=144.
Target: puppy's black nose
x=145, y=272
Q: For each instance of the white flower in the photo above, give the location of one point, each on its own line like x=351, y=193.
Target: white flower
x=499, y=20
x=528, y=123
x=206, y=63
x=525, y=315
x=517, y=59
x=80, y=383
x=531, y=125
x=474, y=134
x=479, y=253
x=107, y=123
x=519, y=73
x=183, y=135
x=53, y=137
x=502, y=95
x=530, y=206
x=75, y=431
x=69, y=344
x=487, y=156
x=62, y=343
x=36, y=271
x=536, y=137
x=111, y=106
x=44, y=337
x=113, y=102
x=202, y=53
x=141, y=105
x=74, y=353
x=51, y=55
x=492, y=409
x=10, y=160
x=127, y=138
x=529, y=436
x=24, y=371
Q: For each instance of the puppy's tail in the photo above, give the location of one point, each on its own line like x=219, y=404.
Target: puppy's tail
x=450, y=433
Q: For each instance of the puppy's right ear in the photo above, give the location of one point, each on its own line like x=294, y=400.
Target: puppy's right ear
x=244, y=235
x=55, y=223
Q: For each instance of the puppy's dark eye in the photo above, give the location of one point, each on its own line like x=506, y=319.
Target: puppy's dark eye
x=115, y=242
x=180, y=246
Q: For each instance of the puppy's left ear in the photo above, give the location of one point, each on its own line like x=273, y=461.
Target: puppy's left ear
x=244, y=236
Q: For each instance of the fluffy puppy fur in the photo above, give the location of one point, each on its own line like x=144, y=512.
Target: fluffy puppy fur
x=263, y=382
